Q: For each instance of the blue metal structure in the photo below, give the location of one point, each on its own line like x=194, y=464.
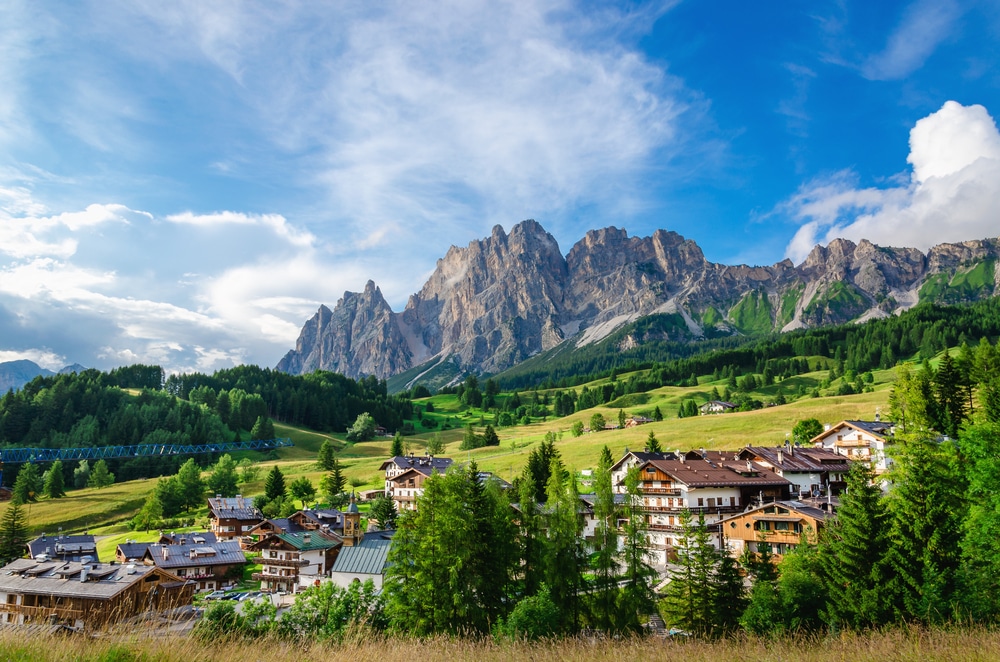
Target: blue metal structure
x=21, y=455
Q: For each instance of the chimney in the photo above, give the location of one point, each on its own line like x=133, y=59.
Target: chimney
x=781, y=458
x=306, y=537
x=878, y=415
x=83, y=574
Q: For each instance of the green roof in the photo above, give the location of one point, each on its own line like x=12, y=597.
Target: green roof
x=305, y=541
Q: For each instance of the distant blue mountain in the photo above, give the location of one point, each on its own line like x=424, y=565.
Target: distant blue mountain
x=15, y=374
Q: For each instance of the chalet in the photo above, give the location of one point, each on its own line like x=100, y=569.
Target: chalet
x=200, y=537
x=636, y=421
x=395, y=466
x=294, y=561
x=131, y=551
x=587, y=514
x=713, y=488
x=366, y=560
x=303, y=520
x=812, y=471
x=64, y=548
x=859, y=440
x=779, y=525
x=208, y=565
x=232, y=518
x=86, y=595
x=408, y=486
x=716, y=407
x=633, y=459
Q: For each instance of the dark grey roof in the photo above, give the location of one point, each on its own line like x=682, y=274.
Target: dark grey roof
x=878, y=428
x=239, y=508
x=798, y=459
x=133, y=550
x=104, y=581
x=424, y=464
x=200, y=537
x=369, y=557
x=644, y=457
x=66, y=548
x=182, y=556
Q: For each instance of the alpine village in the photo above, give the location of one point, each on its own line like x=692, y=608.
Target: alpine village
x=791, y=456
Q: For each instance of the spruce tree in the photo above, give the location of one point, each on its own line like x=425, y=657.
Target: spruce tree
x=54, y=485
x=13, y=533
x=531, y=542
x=605, y=545
x=27, y=485
x=854, y=555
x=274, y=484
x=980, y=572
x=564, y=558
x=397, y=445
x=637, y=599
x=324, y=458
x=192, y=487
x=100, y=477
x=652, y=444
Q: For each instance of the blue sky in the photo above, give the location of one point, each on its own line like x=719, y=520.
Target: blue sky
x=184, y=183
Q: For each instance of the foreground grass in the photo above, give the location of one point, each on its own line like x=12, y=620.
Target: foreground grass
x=902, y=645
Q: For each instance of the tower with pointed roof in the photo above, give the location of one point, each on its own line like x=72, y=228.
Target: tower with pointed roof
x=352, y=524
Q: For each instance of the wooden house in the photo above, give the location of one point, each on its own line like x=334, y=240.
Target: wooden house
x=396, y=466
x=232, y=518
x=291, y=562
x=64, y=547
x=208, y=565
x=779, y=526
x=86, y=595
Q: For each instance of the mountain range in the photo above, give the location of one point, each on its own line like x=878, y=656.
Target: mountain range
x=15, y=374
x=507, y=297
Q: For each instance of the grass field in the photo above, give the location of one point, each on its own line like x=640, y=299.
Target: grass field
x=107, y=511
x=913, y=645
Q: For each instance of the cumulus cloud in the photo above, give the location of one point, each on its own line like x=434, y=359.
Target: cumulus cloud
x=952, y=194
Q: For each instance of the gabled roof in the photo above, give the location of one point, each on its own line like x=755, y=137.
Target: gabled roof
x=132, y=550
x=183, y=556
x=642, y=457
x=879, y=429
x=797, y=459
x=703, y=473
x=238, y=508
x=200, y=537
x=368, y=557
x=67, y=548
x=329, y=516
x=63, y=579
x=718, y=403
x=424, y=464
x=303, y=541
x=795, y=507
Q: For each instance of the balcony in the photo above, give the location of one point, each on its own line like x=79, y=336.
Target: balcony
x=271, y=577
x=42, y=613
x=668, y=491
x=285, y=563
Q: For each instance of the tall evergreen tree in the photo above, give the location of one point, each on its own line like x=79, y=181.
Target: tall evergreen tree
x=653, y=444
x=54, y=486
x=689, y=597
x=324, y=458
x=192, y=487
x=637, y=599
x=927, y=506
x=100, y=477
x=27, y=485
x=950, y=395
x=397, y=445
x=564, y=557
x=980, y=572
x=530, y=537
x=605, y=545
x=854, y=555
x=224, y=479
x=274, y=484
x=13, y=533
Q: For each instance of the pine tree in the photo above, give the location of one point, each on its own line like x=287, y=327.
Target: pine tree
x=980, y=571
x=192, y=487
x=652, y=444
x=689, y=597
x=274, y=484
x=397, y=445
x=54, y=485
x=657, y=414
x=928, y=509
x=637, y=593
x=383, y=511
x=324, y=459
x=854, y=555
x=27, y=485
x=13, y=533
x=530, y=537
x=605, y=545
x=100, y=477
x=564, y=559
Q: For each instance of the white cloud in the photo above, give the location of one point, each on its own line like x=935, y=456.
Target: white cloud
x=953, y=194
x=924, y=26
x=274, y=222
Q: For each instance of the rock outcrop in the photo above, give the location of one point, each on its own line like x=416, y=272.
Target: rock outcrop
x=507, y=297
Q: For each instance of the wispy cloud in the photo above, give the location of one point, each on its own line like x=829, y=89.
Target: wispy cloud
x=952, y=195
x=922, y=28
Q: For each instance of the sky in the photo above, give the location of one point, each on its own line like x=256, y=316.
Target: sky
x=184, y=183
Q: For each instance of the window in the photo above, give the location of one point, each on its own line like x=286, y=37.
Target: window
x=701, y=501
x=781, y=526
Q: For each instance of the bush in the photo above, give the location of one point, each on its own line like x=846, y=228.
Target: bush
x=532, y=618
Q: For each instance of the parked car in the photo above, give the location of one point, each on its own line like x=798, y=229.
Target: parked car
x=216, y=595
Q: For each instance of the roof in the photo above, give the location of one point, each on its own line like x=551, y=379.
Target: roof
x=424, y=464
x=305, y=541
x=718, y=403
x=880, y=429
x=238, y=508
x=330, y=516
x=797, y=507
x=132, y=550
x=62, y=578
x=200, y=537
x=183, y=556
x=368, y=557
x=68, y=548
x=796, y=459
x=643, y=457
x=705, y=473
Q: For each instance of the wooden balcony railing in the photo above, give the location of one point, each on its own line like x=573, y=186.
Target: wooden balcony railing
x=286, y=563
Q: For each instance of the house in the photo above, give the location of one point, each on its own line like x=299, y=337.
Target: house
x=208, y=565
x=587, y=514
x=366, y=560
x=232, y=518
x=779, y=525
x=395, y=466
x=637, y=420
x=812, y=471
x=292, y=562
x=86, y=595
x=715, y=407
x=633, y=459
x=64, y=548
x=859, y=440
x=714, y=488
x=409, y=485
x=201, y=537
x=304, y=520
x=131, y=551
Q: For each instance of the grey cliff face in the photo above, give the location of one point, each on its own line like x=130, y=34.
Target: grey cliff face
x=507, y=297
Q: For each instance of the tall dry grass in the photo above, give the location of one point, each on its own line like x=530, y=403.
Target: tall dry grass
x=903, y=645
